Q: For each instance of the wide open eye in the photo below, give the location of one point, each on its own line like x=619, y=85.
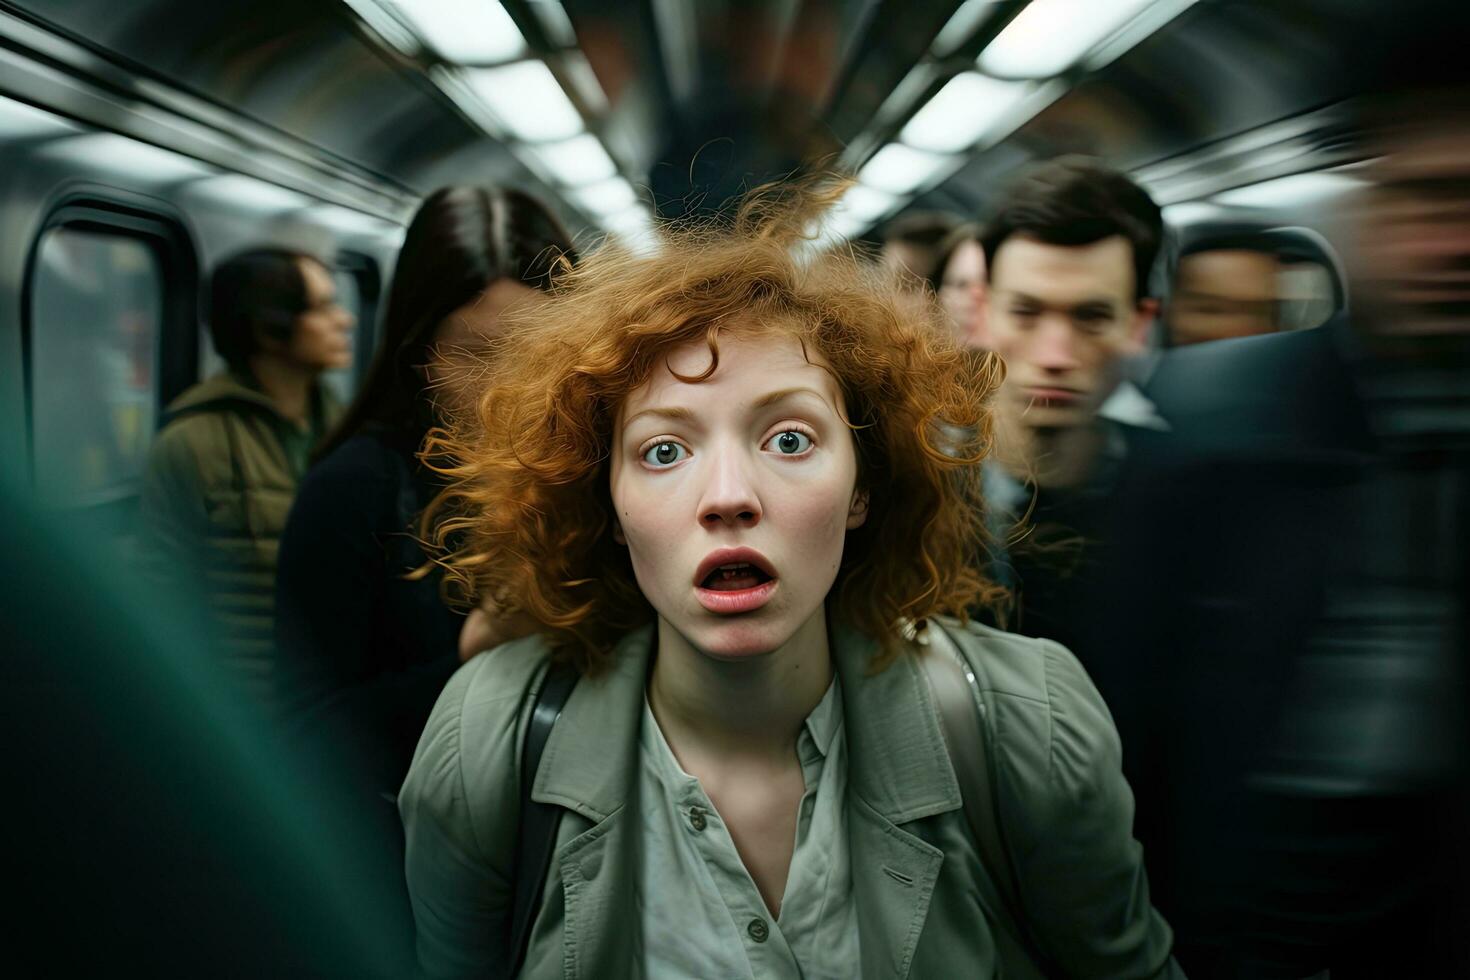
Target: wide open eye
x=790, y=442
x=665, y=454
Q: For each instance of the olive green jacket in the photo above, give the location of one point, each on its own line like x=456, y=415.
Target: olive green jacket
x=218, y=487
x=917, y=875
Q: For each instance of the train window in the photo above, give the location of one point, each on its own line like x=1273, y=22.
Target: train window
x=109, y=340
x=1308, y=295
x=97, y=314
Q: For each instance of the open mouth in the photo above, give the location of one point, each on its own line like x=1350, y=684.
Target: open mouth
x=734, y=580
x=734, y=577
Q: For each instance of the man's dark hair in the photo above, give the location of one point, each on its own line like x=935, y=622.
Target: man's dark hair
x=1077, y=201
x=923, y=228
x=261, y=291
x=922, y=231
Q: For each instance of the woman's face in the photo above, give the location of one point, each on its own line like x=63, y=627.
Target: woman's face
x=962, y=292
x=734, y=495
x=472, y=324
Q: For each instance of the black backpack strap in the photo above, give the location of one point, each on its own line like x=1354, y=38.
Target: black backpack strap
x=538, y=820
x=962, y=718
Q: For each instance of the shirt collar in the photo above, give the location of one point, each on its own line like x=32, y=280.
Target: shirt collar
x=825, y=721
x=821, y=726
x=897, y=757
x=1129, y=406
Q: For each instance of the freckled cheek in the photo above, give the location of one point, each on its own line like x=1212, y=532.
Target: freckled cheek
x=651, y=535
x=817, y=525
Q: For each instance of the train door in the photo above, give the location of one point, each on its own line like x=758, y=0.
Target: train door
x=109, y=338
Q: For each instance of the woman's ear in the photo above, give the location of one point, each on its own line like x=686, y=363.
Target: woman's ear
x=618, y=533
x=858, y=512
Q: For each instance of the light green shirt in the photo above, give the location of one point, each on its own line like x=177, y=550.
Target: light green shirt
x=702, y=915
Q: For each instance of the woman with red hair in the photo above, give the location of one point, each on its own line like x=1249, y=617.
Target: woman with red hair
x=716, y=481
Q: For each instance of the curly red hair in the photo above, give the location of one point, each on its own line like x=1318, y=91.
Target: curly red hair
x=526, y=517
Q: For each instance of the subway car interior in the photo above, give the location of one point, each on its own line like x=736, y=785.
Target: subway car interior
x=1266, y=579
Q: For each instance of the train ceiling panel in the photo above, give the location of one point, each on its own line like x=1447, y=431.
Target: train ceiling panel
x=931, y=102
x=300, y=68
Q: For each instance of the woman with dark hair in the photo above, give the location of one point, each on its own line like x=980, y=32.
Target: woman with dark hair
x=959, y=282
x=370, y=648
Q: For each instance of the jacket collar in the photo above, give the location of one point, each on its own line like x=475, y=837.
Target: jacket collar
x=590, y=760
x=898, y=762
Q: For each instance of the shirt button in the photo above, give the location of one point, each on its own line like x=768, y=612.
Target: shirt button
x=696, y=817
x=758, y=930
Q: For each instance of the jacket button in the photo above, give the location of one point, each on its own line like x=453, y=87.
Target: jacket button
x=696, y=817
x=758, y=930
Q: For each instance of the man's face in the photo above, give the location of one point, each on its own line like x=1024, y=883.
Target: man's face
x=1063, y=317
x=321, y=338
x=1413, y=230
x=1222, y=293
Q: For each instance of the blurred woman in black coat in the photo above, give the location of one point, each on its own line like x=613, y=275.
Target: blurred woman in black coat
x=369, y=647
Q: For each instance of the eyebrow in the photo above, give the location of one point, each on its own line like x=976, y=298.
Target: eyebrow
x=1087, y=305
x=771, y=398
x=674, y=413
x=678, y=413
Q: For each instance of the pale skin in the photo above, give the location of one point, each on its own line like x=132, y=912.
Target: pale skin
x=962, y=294
x=731, y=691
x=468, y=327
x=1063, y=318
x=903, y=257
x=321, y=340
x=736, y=733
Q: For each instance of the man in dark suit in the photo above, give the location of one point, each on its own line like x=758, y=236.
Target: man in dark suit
x=1293, y=605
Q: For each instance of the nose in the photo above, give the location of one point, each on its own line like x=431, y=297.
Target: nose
x=729, y=498
x=1055, y=346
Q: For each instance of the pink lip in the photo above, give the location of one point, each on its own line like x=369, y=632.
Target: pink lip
x=1065, y=395
x=741, y=601
x=725, y=602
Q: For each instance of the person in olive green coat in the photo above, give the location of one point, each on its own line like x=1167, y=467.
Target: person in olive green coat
x=223, y=471
x=715, y=479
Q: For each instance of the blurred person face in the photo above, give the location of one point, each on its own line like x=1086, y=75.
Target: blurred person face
x=1223, y=293
x=734, y=495
x=962, y=293
x=1063, y=318
x=906, y=257
x=1413, y=230
x=321, y=337
x=475, y=322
